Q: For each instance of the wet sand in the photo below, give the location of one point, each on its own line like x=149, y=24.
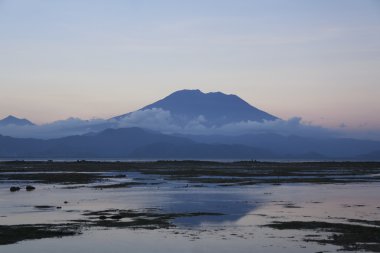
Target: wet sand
x=190, y=206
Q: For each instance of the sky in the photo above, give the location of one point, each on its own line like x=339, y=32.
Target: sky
x=318, y=60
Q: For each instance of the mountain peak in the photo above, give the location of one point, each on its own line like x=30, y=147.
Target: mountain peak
x=197, y=92
x=216, y=108
x=187, y=91
x=12, y=120
x=10, y=117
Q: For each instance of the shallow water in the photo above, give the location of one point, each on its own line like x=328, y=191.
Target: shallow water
x=245, y=209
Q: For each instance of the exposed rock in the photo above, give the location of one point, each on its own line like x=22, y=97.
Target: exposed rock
x=14, y=188
x=44, y=207
x=30, y=188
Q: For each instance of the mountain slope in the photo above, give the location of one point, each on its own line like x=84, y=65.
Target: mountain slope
x=216, y=108
x=292, y=145
x=127, y=143
x=137, y=143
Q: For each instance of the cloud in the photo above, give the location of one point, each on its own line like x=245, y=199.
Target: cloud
x=164, y=121
x=292, y=126
x=62, y=128
x=156, y=118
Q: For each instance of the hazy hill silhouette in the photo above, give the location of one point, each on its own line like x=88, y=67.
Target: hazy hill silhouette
x=293, y=145
x=128, y=143
x=137, y=143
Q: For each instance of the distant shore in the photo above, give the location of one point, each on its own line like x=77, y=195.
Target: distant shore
x=202, y=172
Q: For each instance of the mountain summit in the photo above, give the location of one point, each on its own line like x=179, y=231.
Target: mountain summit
x=11, y=120
x=216, y=108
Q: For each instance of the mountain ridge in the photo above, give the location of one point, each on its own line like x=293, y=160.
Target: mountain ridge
x=12, y=120
x=129, y=143
x=137, y=143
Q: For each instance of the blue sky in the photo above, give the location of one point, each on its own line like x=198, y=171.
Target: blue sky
x=318, y=60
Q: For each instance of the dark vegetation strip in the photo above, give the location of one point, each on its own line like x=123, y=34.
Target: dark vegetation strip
x=15, y=233
x=233, y=173
x=120, y=185
x=350, y=237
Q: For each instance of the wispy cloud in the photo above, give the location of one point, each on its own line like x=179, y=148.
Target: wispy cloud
x=62, y=128
x=163, y=121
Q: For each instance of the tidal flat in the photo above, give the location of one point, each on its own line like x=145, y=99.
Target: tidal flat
x=189, y=206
